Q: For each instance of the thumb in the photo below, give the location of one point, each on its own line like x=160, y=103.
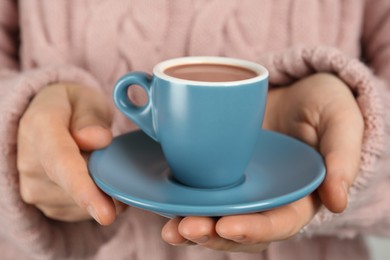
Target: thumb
x=91, y=119
x=341, y=136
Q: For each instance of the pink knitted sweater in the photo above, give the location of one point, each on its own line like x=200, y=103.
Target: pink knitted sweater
x=92, y=43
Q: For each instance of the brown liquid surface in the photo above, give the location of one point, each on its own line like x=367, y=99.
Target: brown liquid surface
x=210, y=72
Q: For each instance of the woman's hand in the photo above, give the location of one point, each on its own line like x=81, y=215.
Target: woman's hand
x=61, y=125
x=319, y=110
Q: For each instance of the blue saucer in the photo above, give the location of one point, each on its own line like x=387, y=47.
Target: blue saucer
x=133, y=170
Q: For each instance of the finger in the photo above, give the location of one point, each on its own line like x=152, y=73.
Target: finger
x=197, y=229
x=341, y=137
x=92, y=138
x=201, y=230
x=69, y=213
x=170, y=233
x=65, y=166
x=60, y=156
x=274, y=225
x=91, y=118
x=38, y=191
x=53, y=201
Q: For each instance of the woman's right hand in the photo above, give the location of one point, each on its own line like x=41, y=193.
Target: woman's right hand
x=62, y=124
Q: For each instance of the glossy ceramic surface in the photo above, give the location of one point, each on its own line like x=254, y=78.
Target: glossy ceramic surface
x=133, y=170
x=207, y=130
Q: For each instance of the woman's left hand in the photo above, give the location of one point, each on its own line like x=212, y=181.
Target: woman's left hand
x=321, y=111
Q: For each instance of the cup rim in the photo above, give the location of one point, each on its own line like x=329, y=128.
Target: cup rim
x=262, y=72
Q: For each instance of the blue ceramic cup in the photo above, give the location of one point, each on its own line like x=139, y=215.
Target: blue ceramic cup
x=207, y=127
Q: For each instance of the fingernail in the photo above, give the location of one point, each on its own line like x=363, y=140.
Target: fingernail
x=92, y=212
x=186, y=243
x=201, y=240
x=237, y=238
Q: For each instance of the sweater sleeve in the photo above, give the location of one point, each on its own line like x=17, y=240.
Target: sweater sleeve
x=368, y=210
x=24, y=231
x=8, y=35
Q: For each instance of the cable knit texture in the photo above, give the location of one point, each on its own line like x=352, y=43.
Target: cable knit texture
x=92, y=43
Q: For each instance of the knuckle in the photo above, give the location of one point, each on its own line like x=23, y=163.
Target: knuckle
x=37, y=119
x=30, y=131
x=64, y=213
x=53, y=212
x=29, y=193
x=292, y=231
x=23, y=166
x=48, y=168
x=43, y=119
x=295, y=224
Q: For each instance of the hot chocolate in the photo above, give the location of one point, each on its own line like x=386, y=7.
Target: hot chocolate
x=209, y=72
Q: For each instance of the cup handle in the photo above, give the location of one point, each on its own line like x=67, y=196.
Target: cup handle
x=141, y=116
